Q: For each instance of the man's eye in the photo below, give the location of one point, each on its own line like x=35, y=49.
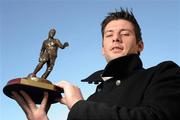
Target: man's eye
x=125, y=34
x=108, y=35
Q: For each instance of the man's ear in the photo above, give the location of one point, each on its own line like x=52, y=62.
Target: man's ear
x=140, y=46
x=102, y=50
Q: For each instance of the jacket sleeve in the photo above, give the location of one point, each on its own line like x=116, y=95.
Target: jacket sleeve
x=88, y=110
x=161, y=101
x=164, y=90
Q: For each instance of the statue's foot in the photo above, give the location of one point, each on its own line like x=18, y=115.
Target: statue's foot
x=32, y=75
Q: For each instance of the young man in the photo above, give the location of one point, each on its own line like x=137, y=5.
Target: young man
x=126, y=91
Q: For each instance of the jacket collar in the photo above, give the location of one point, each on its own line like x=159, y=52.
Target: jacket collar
x=118, y=68
x=122, y=66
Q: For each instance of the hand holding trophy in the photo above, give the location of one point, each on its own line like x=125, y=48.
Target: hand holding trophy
x=33, y=85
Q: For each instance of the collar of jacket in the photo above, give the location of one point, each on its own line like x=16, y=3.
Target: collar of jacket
x=118, y=68
x=122, y=66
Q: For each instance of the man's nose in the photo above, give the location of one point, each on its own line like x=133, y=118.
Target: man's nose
x=116, y=38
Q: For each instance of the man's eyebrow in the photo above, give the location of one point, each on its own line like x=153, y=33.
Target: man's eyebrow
x=120, y=30
x=108, y=31
x=125, y=30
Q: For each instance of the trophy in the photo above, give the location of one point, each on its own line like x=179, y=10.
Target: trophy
x=36, y=86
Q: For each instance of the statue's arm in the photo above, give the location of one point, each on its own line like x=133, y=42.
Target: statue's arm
x=60, y=45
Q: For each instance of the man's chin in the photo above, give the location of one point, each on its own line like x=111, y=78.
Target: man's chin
x=115, y=57
x=119, y=55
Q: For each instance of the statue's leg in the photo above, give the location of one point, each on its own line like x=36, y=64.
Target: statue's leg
x=38, y=67
x=50, y=65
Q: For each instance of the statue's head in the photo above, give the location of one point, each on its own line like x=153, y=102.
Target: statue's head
x=52, y=32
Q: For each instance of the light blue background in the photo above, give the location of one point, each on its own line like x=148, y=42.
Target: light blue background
x=24, y=24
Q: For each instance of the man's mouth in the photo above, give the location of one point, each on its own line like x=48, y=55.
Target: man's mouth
x=116, y=49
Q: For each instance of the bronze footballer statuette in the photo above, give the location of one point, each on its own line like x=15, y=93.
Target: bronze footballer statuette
x=33, y=85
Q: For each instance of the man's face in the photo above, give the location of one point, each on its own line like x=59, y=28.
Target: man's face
x=120, y=40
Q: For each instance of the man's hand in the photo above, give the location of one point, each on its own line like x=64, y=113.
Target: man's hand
x=72, y=94
x=29, y=107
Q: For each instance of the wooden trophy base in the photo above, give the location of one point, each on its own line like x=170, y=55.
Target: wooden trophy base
x=35, y=88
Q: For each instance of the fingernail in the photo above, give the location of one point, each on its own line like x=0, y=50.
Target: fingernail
x=45, y=93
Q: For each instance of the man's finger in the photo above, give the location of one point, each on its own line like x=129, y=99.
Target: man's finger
x=62, y=101
x=19, y=99
x=29, y=101
x=44, y=104
x=62, y=84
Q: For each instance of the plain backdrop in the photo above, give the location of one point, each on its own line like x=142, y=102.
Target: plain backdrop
x=24, y=24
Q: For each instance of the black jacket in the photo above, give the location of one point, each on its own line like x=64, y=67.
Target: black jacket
x=134, y=93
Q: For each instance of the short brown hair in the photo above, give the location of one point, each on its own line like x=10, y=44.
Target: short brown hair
x=125, y=15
